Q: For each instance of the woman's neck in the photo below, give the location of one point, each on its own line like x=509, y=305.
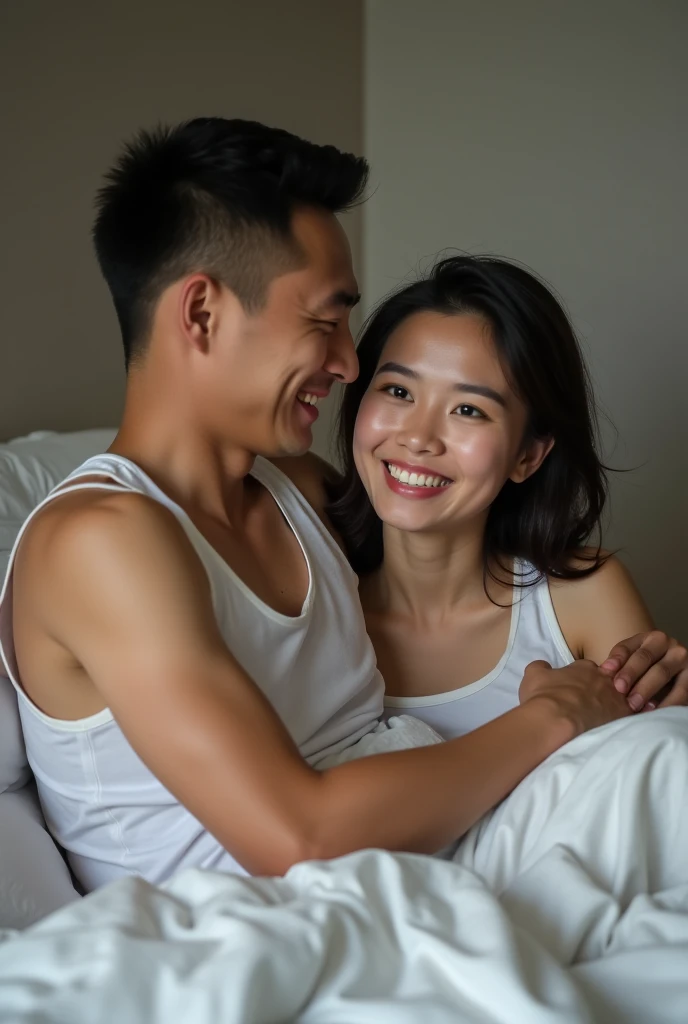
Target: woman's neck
x=427, y=576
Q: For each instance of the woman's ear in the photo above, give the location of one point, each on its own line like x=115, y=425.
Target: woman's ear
x=531, y=458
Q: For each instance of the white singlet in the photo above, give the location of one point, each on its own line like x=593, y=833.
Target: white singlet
x=318, y=670
x=534, y=635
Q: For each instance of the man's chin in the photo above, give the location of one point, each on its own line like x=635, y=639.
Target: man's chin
x=297, y=447
x=290, y=446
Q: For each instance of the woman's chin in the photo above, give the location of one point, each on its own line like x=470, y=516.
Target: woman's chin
x=412, y=519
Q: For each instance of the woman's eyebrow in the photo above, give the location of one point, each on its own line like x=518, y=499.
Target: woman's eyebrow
x=482, y=389
x=467, y=389
x=404, y=371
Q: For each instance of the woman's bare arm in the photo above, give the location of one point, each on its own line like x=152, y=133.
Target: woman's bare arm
x=595, y=612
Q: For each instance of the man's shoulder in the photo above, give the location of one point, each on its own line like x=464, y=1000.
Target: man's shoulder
x=78, y=524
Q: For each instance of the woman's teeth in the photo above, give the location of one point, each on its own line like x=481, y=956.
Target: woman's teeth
x=307, y=397
x=415, y=479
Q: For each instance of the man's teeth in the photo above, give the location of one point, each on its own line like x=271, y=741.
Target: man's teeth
x=307, y=397
x=416, y=479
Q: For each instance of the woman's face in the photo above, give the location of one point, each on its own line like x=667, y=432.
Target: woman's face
x=439, y=430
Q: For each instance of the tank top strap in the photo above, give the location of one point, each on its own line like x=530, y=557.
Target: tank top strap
x=537, y=621
x=101, y=465
x=126, y=475
x=298, y=509
x=282, y=488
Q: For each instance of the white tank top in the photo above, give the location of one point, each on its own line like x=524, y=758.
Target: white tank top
x=534, y=635
x=318, y=670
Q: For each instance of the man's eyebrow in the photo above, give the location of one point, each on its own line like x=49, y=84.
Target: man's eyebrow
x=466, y=389
x=341, y=298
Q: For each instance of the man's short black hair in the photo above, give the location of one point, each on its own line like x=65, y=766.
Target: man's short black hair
x=210, y=195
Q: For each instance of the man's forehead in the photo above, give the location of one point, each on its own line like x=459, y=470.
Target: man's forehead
x=321, y=238
x=326, y=281
x=319, y=289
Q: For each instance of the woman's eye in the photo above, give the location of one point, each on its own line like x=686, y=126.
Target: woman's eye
x=470, y=411
x=396, y=391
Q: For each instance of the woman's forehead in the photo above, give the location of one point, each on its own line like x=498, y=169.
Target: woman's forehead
x=435, y=344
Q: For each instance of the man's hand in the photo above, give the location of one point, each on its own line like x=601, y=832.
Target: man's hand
x=581, y=692
x=651, y=669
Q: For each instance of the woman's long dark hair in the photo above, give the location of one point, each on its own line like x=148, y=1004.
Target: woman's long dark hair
x=548, y=518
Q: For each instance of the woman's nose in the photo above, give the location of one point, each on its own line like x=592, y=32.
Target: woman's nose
x=418, y=434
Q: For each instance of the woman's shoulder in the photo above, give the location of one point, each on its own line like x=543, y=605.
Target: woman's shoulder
x=600, y=608
x=594, y=571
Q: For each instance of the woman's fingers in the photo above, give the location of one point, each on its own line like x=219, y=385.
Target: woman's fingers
x=678, y=694
x=634, y=657
x=650, y=662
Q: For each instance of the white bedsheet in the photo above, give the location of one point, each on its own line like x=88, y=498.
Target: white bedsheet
x=568, y=904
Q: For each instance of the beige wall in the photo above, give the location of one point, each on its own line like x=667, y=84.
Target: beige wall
x=555, y=133
x=76, y=78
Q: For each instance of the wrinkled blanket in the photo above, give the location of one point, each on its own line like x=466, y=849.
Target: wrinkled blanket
x=569, y=903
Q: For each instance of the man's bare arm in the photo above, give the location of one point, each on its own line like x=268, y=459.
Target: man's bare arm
x=127, y=596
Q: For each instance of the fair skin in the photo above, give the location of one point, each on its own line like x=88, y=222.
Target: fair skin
x=440, y=403
x=216, y=386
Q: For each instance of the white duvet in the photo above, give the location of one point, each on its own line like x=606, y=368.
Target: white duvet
x=568, y=903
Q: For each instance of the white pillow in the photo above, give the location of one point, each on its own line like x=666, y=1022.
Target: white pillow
x=14, y=768
x=34, y=879
x=29, y=468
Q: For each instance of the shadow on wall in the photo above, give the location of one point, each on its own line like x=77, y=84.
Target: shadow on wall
x=76, y=80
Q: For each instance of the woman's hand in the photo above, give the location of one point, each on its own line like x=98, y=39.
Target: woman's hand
x=651, y=669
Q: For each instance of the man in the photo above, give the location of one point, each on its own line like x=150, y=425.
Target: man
x=182, y=630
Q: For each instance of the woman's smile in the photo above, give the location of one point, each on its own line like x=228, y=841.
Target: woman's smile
x=414, y=482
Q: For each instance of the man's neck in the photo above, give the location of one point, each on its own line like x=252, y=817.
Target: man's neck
x=161, y=434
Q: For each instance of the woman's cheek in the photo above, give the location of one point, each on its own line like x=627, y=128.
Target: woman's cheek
x=366, y=435
x=483, y=458
x=373, y=425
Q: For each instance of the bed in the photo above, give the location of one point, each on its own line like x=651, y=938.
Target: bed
x=571, y=931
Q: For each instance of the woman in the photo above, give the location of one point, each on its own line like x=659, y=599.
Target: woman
x=471, y=485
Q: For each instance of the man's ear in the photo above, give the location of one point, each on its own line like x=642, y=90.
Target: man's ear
x=531, y=458
x=199, y=307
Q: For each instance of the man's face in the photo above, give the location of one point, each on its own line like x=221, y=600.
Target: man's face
x=270, y=368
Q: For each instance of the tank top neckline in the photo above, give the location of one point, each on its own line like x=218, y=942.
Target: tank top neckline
x=537, y=592
x=260, y=471
x=425, y=700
